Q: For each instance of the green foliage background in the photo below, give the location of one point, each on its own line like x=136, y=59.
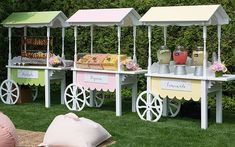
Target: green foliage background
x=106, y=38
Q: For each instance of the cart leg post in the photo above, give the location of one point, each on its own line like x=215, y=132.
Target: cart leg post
x=149, y=98
x=204, y=106
x=62, y=89
x=74, y=77
x=47, y=89
x=134, y=96
x=219, y=108
x=165, y=103
x=92, y=95
x=118, y=96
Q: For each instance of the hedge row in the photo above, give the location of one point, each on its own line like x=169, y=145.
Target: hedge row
x=105, y=39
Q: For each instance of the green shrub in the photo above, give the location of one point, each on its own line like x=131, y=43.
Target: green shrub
x=105, y=39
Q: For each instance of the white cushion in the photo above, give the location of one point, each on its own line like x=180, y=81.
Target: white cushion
x=69, y=130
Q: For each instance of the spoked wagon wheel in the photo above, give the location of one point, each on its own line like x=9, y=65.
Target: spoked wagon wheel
x=9, y=92
x=174, y=107
x=98, y=98
x=88, y=101
x=151, y=109
x=34, y=90
x=74, y=97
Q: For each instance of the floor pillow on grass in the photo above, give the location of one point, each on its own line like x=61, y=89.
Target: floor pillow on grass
x=8, y=137
x=69, y=130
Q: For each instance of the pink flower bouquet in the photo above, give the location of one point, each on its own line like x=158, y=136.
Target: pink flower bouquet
x=218, y=68
x=131, y=65
x=55, y=61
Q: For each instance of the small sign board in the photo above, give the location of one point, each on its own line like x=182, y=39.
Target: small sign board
x=173, y=84
x=31, y=74
x=96, y=78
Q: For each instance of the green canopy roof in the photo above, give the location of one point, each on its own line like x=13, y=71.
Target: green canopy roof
x=36, y=19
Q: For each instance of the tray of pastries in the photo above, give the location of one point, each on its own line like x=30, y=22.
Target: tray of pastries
x=35, y=55
x=100, y=61
x=111, y=61
x=83, y=62
x=96, y=61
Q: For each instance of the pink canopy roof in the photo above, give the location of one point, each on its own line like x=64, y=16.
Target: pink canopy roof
x=116, y=16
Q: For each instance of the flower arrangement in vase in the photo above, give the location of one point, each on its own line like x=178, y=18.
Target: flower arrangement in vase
x=55, y=61
x=219, y=69
x=130, y=65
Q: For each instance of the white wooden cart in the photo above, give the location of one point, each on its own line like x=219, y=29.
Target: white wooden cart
x=33, y=75
x=149, y=104
x=102, y=80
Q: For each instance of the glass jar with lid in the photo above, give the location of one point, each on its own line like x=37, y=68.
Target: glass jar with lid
x=198, y=56
x=180, y=55
x=164, y=55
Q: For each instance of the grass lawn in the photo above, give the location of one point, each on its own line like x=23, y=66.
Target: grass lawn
x=128, y=130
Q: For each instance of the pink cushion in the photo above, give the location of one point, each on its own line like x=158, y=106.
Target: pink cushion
x=8, y=137
x=69, y=130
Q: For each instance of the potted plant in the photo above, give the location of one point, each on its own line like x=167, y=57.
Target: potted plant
x=219, y=69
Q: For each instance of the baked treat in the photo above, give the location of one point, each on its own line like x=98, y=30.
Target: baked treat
x=84, y=61
x=96, y=61
x=111, y=61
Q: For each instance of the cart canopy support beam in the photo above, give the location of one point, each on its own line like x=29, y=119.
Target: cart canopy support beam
x=119, y=48
x=75, y=45
x=9, y=54
x=48, y=45
x=219, y=42
x=63, y=34
x=150, y=40
x=134, y=44
x=204, y=50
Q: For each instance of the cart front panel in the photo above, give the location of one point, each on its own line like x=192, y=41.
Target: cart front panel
x=98, y=81
x=175, y=88
x=28, y=76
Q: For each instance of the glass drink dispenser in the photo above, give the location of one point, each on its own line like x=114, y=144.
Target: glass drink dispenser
x=164, y=58
x=180, y=55
x=198, y=61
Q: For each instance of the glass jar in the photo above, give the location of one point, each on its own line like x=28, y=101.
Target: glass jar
x=180, y=55
x=164, y=55
x=198, y=56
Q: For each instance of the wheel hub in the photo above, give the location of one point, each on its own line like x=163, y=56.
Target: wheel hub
x=148, y=107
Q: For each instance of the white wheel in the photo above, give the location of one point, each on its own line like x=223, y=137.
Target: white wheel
x=9, y=92
x=74, y=97
x=34, y=90
x=98, y=98
x=89, y=103
x=149, y=106
x=174, y=107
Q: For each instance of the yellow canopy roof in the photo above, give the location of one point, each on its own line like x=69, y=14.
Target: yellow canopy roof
x=186, y=15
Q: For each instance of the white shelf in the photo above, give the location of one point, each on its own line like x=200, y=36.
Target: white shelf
x=39, y=67
x=110, y=71
x=226, y=77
